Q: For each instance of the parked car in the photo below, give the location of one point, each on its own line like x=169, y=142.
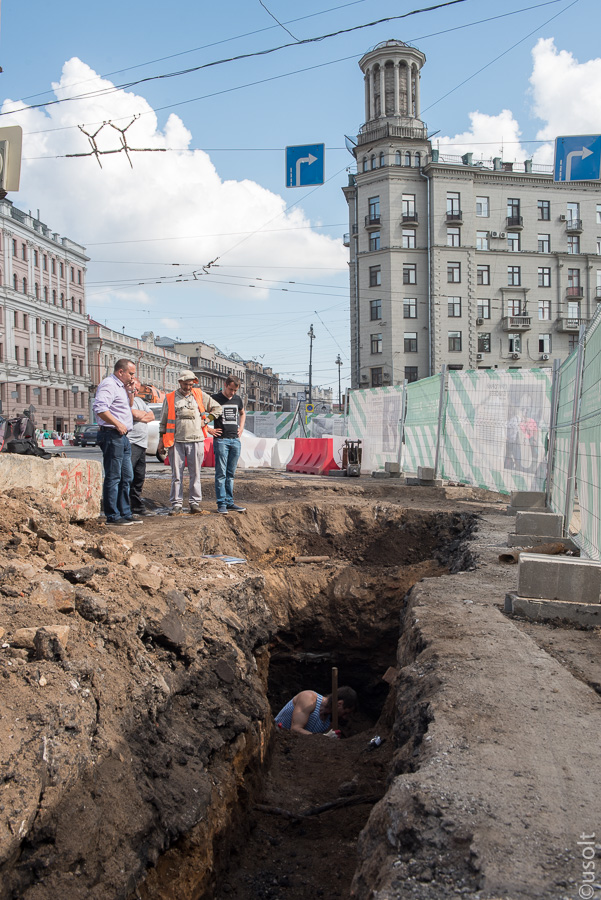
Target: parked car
x=153, y=429
x=79, y=430
x=88, y=437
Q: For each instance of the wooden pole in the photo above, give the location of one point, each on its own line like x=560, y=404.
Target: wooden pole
x=334, y=698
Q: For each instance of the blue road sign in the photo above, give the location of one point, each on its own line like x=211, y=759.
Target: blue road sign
x=578, y=158
x=305, y=165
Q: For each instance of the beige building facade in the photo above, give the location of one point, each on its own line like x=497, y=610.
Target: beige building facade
x=43, y=322
x=455, y=261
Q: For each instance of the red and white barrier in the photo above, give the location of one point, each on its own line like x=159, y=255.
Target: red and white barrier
x=313, y=456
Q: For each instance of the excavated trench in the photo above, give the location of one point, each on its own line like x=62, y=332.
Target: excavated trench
x=297, y=819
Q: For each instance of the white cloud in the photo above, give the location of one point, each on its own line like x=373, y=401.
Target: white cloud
x=176, y=197
x=489, y=136
x=170, y=323
x=566, y=94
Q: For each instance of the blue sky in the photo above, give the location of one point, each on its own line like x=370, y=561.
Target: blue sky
x=218, y=189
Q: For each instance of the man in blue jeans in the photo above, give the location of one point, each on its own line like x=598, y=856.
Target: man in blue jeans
x=113, y=409
x=227, y=430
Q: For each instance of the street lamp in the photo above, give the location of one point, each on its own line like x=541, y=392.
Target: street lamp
x=311, y=335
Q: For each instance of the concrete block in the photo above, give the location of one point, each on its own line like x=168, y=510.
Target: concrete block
x=543, y=577
x=425, y=473
x=532, y=540
x=393, y=468
x=547, y=523
x=528, y=500
x=380, y=475
x=74, y=483
x=587, y=614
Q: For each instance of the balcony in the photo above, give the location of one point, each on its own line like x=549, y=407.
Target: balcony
x=570, y=325
x=516, y=323
x=346, y=240
x=409, y=220
x=574, y=292
x=598, y=292
x=574, y=226
x=515, y=223
x=372, y=222
x=454, y=217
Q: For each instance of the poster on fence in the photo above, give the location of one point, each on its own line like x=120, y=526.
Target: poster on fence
x=496, y=428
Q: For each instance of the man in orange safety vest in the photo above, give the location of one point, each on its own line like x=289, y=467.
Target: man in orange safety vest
x=182, y=431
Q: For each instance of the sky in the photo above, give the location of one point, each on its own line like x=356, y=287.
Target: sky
x=193, y=233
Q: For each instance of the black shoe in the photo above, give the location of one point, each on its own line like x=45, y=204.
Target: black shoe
x=222, y=510
x=130, y=520
x=235, y=508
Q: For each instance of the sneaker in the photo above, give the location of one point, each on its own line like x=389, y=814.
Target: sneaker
x=195, y=510
x=176, y=511
x=222, y=510
x=130, y=520
x=122, y=522
x=235, y=508
x=143, y=512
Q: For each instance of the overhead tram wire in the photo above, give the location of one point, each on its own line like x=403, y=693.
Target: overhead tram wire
x=266, y=80
x=241, y=56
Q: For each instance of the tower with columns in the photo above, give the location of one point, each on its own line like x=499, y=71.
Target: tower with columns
x=456, y=261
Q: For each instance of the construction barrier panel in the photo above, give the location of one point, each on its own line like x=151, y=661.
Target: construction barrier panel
x=313, y=456
x=421, y=423
x=374, y=419
x=326, y=425
x=274, y=424
x=496, y=425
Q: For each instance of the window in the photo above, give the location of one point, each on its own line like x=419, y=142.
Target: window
x=23, y=251
x=373, y=161
x=418, y=159
x=544, y=310
x=25, y=321
x=61, y=270
x=484, y=309
x=36, y=291
x=514, y=307
x=54, y=297
x=81, y=367
x=79, y=276
x=64, y=363
x=15, y=282
x=454, y=306
x=365, y=166
x=514, y=275
x=453, y=237
x=483, y=275
x=53, y=266
x=46, y=294
x=482, y=240
x=17, y=352
x=598, y=213
x=54, y=330
x=544, y=210
x=45, y=263
x=376, y=377
x=544, y=276
x=397, y=158
x=544, y=343
x=411, y=374
x=544, y=243
x=38, y=358
x=25, y=356
x=47, y=360
x=375, y=310
x=573, y=309
x=482, y=208
x=374, y=210
x=410, y=308
x=408, y=205
x=573, y=212
x=382, y=160
x=453, y=203
x=408, y=239
x=454, y=272
x=410, y=342
x=409, y=273
x=376, y=343
x=374, y=240
x=513, y=208
x=375, y=276
x=55, y=361
x=598, y=246
x=484, y=342
x=407, y=158
x=574, y=279
x=515, y=343
x=573, y=243
x=14, y=247
x=24, y=285
x=513, y=241
x=454, y=341
x=62, y=332
x=36, y=258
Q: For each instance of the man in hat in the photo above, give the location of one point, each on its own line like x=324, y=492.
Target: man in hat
x=182, y=432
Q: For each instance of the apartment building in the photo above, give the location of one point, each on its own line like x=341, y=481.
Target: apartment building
x=454, y=260
x=43, y=322
x=156, y=365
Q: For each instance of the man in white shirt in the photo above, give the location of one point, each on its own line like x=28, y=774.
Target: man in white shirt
x=138, y=438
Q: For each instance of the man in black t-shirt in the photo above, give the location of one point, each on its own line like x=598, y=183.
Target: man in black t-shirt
x=226, y=432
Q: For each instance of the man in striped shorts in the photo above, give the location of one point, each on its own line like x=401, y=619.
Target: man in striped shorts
x=311, y=713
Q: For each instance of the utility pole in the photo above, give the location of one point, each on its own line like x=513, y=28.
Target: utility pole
x=311, y=334
x=339, y=364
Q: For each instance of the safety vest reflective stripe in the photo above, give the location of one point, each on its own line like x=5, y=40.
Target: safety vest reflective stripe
x=169, y=436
